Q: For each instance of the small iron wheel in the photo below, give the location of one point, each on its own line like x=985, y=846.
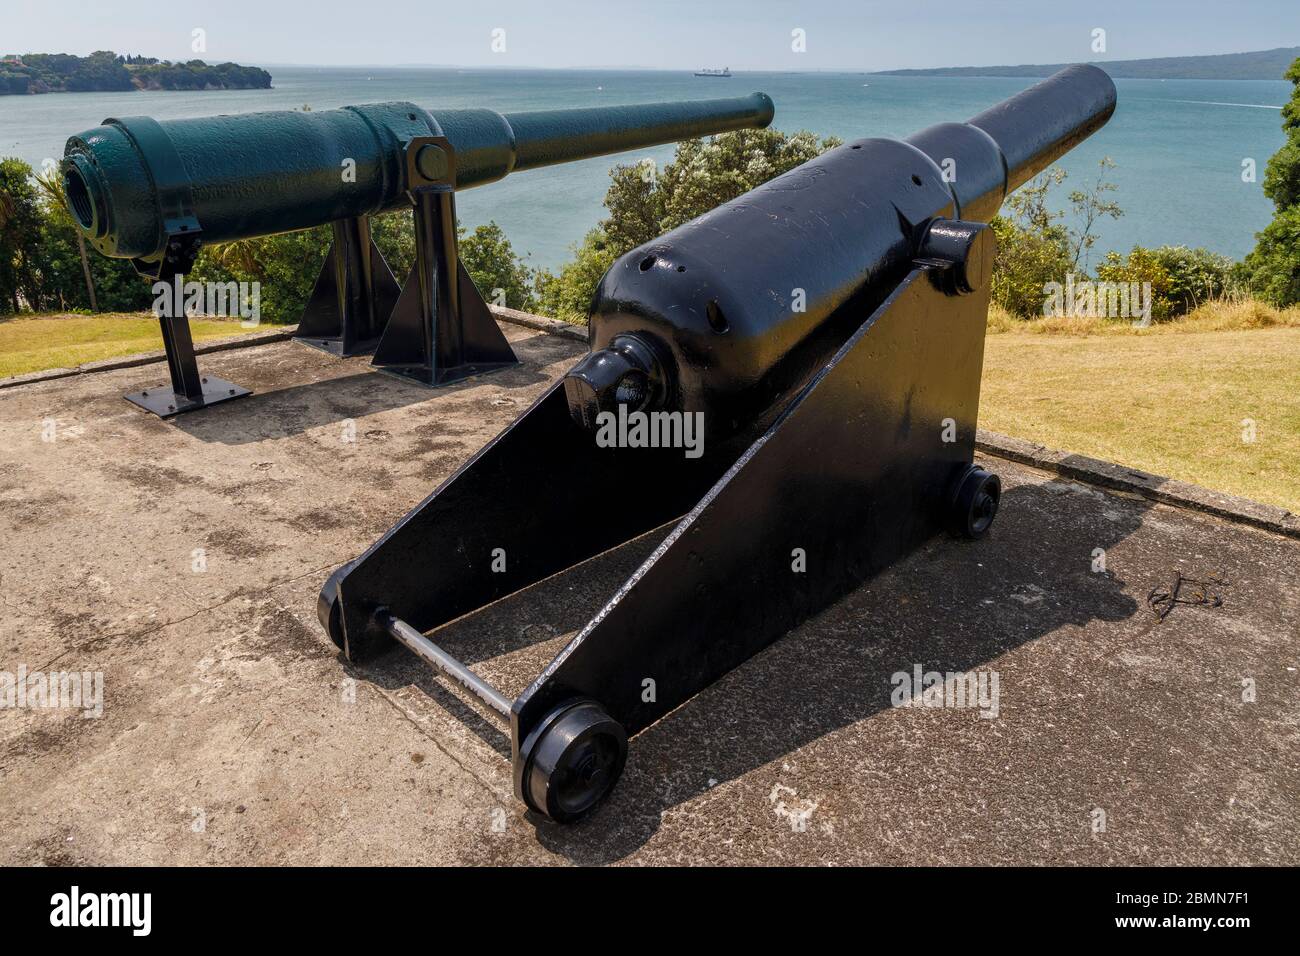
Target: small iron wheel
x=328, y=608
x=571, y=761
x=975, y=504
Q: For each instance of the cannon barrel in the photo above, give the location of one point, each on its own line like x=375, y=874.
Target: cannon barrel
x=262, y=173
x=734, y=311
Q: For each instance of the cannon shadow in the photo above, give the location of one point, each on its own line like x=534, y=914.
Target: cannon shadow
x=951, y=606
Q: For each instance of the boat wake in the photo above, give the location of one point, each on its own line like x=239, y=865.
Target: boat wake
x=1254, y=106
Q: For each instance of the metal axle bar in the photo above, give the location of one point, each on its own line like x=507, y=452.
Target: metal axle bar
x=435, y=655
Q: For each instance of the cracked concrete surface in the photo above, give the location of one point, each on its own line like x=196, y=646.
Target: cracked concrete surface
x=182, y=560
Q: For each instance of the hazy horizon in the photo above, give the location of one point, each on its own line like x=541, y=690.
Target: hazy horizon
x=747, y=35
x=638, y=68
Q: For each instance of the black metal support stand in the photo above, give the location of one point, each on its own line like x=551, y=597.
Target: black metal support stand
x=441, y=329
x=353, y=297
x=866, y=463
x=189, y=391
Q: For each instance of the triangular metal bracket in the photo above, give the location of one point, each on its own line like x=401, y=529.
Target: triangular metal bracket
x=415, y=346
x=353, y=296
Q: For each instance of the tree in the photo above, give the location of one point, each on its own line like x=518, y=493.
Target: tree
x=644, y=203
x=500, y=275
x=567, y=295
x=285, y=267
x=1038, y=245
x=1034, y=247
x=1089, y=207
x=703, y=175
x=20, y=222
x=1273, y=267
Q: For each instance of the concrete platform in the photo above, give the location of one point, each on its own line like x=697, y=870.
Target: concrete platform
x=182, y=560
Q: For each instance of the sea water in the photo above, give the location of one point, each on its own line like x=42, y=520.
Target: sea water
x=1180, y=146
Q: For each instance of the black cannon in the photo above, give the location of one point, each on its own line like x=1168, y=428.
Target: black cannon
x=826, y=333
x=153, y=192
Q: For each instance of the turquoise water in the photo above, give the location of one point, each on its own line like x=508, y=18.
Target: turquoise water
x=1179, y=144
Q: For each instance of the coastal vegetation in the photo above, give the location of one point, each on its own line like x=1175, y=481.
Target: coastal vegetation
x=44, y=265
x=106, y=71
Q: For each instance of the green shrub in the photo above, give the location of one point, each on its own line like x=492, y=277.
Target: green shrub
x=485, y=253
x=1195, y=276
x=1037, y=246
x=1026, y=261
x=500, y=275
x=286, y=265
x=394, y=234
x=1141, y=266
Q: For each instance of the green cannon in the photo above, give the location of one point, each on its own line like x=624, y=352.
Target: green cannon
x=155, y=191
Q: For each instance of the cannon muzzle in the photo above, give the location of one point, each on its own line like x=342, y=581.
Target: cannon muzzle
x=1035, y=128
x=1029, y=132
x=131, y=181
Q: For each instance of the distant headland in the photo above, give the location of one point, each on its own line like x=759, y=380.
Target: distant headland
x=1259, y=65
x=105, y=71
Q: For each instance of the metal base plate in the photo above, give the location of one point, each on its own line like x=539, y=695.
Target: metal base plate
x=336, y=347
x=165, y=403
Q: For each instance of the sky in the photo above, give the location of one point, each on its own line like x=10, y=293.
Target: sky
x=663, y=34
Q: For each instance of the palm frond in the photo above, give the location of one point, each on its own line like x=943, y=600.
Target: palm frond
x=51, y=184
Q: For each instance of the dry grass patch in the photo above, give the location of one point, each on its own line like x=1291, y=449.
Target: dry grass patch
x=1226, y=315
x=1175, y=399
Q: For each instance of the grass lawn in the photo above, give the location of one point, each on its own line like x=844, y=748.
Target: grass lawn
x=31, y=344
x=1170, y=402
